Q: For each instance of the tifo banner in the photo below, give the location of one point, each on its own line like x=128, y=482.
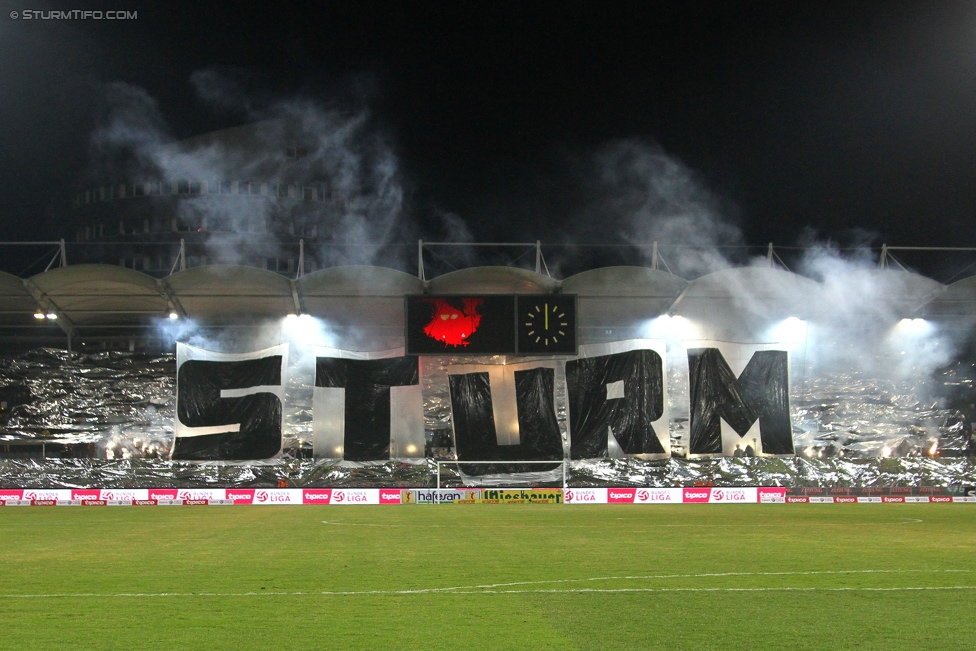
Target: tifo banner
x=367, y=406
x=371, y=406
x=618, y=400
x=739, y=400
x=228, y=405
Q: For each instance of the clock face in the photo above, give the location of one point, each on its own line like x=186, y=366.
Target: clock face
x=547, y=324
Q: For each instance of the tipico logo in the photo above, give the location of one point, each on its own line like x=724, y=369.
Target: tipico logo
x=162, y=493
x=317, y=496
x=621, y=495
x=240, y=495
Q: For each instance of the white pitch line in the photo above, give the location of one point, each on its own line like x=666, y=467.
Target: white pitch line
x=492, y=588
x=783, y=589
x=361, y=524
x=142, y=595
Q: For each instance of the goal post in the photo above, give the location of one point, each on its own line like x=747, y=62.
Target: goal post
x=558, y=475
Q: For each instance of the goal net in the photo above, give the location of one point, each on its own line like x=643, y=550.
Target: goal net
x=467, y=474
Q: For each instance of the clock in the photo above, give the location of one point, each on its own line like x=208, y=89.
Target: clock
x=546, y=324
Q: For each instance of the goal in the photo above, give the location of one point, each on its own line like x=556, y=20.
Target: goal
x=542, y=474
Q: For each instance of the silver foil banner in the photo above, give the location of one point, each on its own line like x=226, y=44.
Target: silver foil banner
x=72, y=419
x=795, y=473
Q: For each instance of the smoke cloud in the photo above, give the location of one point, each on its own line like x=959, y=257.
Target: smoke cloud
x=635, y=193
x=296, y=169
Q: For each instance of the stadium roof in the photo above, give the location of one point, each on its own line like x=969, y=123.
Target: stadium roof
x=104, y=302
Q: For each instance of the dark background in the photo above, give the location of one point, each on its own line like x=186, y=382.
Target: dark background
x=847, y=121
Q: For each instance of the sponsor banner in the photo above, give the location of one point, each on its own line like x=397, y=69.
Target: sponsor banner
x=69, y=502
x=621, y=495
x=710, y=495
x=192, y=502
x=44, y=502
x=941, y=498
x=696, y=495
x=585, y=495
x=9, y=502
x=963, y=499
x=657, y=496
x=744, y=495
x=124, y=494
x=522, y=496
x=771, y=495
x=797, y=499
x=201, y=494
x=390, y=496
x=221, y=502
x=239, y=495
x=45, y=494
x=119, y=502
x=84, y=494
x=11, y=495
x=892, y=499
x=644, y=495
x=821, y=500
x=144, y=502
x=161, y=494
x=875, y=500
x=316, y=496
x=169, y=502
x=916, y=498
x=277, y=496
x=94, y=502
x=353, y=496
x=443, y=496
x=845, y=499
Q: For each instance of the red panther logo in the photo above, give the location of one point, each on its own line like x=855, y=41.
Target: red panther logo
x=451, y=325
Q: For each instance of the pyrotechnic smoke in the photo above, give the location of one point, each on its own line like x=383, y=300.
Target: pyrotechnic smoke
x=296, y=168
x=639, y=194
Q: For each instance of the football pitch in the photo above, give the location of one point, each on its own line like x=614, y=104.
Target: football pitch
x=489, y=577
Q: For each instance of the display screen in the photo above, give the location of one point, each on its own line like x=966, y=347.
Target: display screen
x=461, y=325
x=491, y=324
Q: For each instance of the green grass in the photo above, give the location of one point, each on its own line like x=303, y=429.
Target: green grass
x=580, y=577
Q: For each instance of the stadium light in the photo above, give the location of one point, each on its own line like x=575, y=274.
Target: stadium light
x=791, y=330
x=173, y=316
x=667, y=326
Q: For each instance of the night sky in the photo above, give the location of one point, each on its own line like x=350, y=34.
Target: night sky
x=850, y=121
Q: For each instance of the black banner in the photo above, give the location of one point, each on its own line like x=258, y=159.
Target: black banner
x=760, y=393
x=474, y=423
x=367, y=405
x=199, y=404
x=591, y=381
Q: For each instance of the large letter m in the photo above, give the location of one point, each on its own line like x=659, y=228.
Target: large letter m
x=760, y=393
